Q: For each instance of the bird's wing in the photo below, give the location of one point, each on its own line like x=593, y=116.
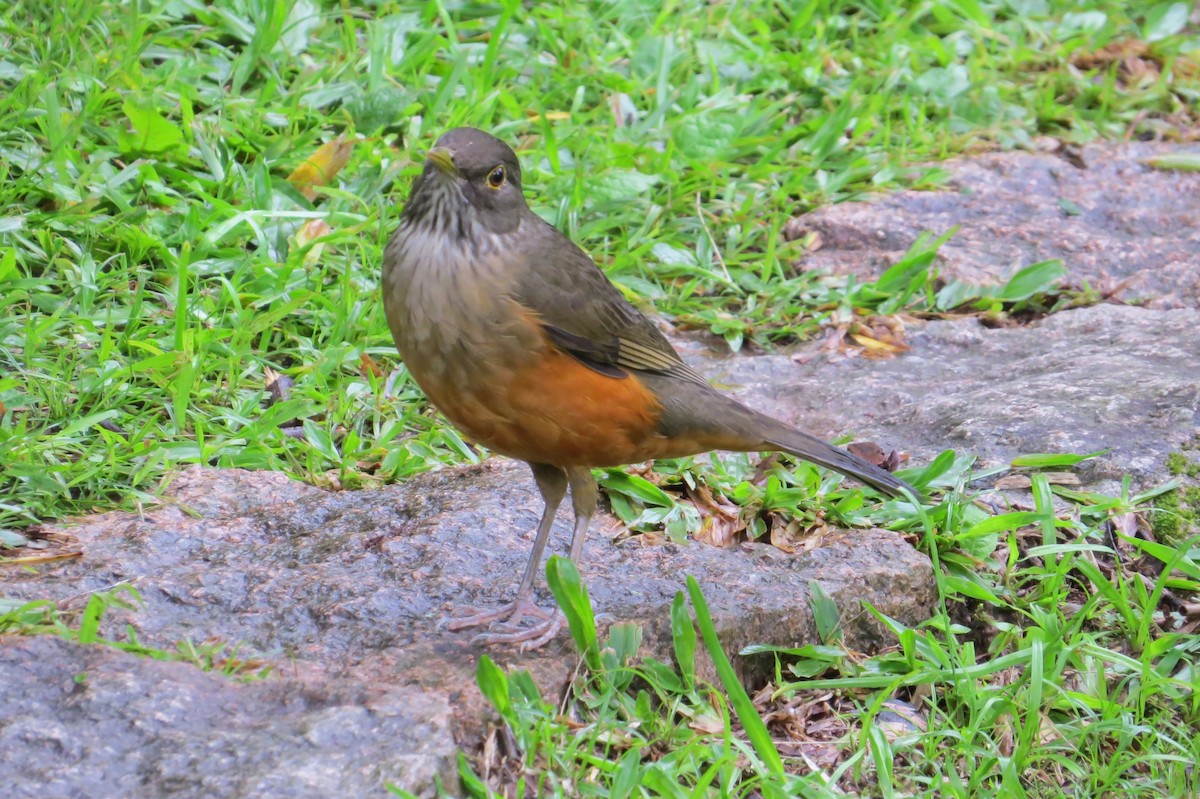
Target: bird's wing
x=584, y=314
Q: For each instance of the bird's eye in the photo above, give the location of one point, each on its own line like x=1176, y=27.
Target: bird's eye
x=496, y=177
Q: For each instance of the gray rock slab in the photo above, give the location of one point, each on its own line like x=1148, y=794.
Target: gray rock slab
x=344, y=589
x=1105, y=377
x=92, y=721
x=1114, y=221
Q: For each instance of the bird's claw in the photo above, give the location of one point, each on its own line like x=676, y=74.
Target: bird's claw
x=529, y=638
x=510, y=630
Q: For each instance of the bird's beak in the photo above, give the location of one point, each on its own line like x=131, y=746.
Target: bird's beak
x=441, y=158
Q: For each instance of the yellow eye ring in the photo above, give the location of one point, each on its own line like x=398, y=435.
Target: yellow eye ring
x=496, y=177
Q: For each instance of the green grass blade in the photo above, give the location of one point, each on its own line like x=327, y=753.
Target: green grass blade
x=756, y=729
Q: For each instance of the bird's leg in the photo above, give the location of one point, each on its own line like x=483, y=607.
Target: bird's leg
x=552, y=482
x=584, y=494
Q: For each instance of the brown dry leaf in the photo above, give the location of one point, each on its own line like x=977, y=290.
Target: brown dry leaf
x=702, y=497
x=29, y=560
x=764, y=697
x=1111, y=52
x=869, y=451
x=879, y=336
x=708, y=722
x=1126, y=524
x=721, y=522
x=876, y=455
x=901, y=718
x=793, y=536
x=1048, y=731
x=1136, y=62
x=780, y=537
x=367, y=366
x=649, y=538
x=764, y=468
x=1006, y=740
x=818, y=756
x=893, y=460
x=875, y=345
x=312, y=230
x=1013, y=482
x=717, y=531
x=320, y=168
x=551, y=116
x=330, y=480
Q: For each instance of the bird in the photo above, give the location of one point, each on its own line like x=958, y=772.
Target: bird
x=522, y=342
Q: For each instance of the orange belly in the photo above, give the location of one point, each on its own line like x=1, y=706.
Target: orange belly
x=553, y=409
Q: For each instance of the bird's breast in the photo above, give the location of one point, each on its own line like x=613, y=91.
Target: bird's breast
x=451, y=313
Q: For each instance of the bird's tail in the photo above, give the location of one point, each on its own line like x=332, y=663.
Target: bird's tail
x=810, y=448
x=777, y=435
x=705, y=419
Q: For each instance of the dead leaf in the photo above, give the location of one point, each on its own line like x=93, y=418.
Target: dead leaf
x=1015, y=482
x=764, y=468
x=708, y=722
x=1126, y=524
x=875, y=455
x=551, y=116
x=875, y=345
x=796, y=535
x=720, y=521
x=780, y=539
x=320, y=168
x=367, y=366
x=869, y=451
x=717, y=531
x=879, y=336
x=47, y=558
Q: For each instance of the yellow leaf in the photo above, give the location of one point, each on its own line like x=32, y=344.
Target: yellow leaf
x=321, y=167
x=874, y=343
x=551, y=116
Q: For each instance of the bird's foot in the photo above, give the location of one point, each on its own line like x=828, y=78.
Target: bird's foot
x=511, y=631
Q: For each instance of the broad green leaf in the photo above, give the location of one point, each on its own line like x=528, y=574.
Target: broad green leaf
x=1034, y=279
x=493, y=684
x=152, y=133
x=825, y=613
x=683, y=635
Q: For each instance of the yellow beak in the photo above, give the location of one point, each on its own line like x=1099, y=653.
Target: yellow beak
x=442, y=159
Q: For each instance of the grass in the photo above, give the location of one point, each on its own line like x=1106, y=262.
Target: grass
x=156, y=262
x=159, y=270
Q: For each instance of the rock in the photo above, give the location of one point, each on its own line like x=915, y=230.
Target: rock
x=344, y=591
x=1111, y=377
x=93, y=721
x=1116, y=223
